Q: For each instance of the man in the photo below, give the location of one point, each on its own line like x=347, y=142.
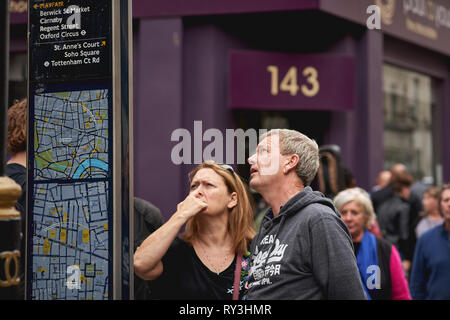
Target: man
x=16, y=170
x=147, y=219
x=303, y=249
x=394, y=217
x=17, y=149
x=383, y=179
x=430, y=276
x=385, y=193
x=415, y=207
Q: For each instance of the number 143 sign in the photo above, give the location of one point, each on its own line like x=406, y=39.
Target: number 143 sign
x=290, y=81
x=285, y=81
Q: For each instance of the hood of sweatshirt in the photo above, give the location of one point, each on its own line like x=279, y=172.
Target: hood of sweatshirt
x=294, y=205
x=304, y=198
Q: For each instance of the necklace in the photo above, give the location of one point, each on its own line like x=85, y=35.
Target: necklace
x=216, y=269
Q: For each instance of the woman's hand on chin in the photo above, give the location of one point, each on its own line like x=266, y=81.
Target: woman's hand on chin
x=191, y=206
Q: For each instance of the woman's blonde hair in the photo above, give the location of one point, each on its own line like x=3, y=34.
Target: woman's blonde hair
x=240, y=222
x=362, y=198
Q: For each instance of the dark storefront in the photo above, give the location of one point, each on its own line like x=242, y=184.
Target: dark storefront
x=314, y=66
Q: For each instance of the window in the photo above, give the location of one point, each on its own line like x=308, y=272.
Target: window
x=408, y=125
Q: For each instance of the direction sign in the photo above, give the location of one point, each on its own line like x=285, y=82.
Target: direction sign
x=75, y=117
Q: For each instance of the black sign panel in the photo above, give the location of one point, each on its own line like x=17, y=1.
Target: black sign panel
x=70, y=151
x=70, y=40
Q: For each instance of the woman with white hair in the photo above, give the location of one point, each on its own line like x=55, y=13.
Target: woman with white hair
x=378, y=261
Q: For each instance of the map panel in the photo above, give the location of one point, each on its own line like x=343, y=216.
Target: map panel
x=70, y=241
x=71, y=193
x=71, y=135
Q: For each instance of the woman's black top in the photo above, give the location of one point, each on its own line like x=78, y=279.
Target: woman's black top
x=185, y=277
x=18, y=173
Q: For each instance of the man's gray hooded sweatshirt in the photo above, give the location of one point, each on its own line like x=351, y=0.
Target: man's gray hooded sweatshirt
x=306, y=252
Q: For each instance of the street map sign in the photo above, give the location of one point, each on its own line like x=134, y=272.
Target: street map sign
x=72, y=141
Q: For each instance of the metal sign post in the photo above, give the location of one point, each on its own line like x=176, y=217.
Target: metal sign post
x=9, y=190
x=79, y=147
x=4, y=84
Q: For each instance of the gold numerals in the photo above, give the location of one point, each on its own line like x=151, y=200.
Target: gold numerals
x=289, y=83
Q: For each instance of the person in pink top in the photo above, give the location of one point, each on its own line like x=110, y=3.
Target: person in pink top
x=379, y=262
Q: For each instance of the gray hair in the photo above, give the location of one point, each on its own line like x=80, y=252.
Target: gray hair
x=307, y=150
x=362, y=198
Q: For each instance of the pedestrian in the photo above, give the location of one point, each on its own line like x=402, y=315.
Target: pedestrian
x=383, y=194
x=415, y=207
x=147, y=219
x=16, y=170
x=382, y=181
x=303, y=250
x=430, y=276
x=17, y=149
x=393, y=216
x=431, y=216
x=378, y=261
x=209, y=261
x=331, y=173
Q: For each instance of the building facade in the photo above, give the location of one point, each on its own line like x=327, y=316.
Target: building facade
x=382, y=95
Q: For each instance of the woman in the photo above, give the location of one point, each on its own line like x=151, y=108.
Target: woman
x=211, y=257
x=431, y=217
x=17, y=149
x=378, y=261
x=16, y=169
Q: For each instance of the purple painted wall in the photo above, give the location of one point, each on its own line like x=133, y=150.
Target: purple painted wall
x=446, y=128
x=342, y=124
x=164, y=8
x=368, y=135
x=157, y=110
x=409, y=56
x=205, y=81
x=359, y=133
x=181, y=77
x=424, y=23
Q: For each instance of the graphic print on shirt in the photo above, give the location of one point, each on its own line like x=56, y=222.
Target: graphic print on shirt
x=266, y=264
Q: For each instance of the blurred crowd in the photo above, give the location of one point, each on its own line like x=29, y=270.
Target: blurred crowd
x=401, y=225
x=402, y=213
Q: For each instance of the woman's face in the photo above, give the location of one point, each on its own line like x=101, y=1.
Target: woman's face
x=211, y=188
x=430, y=203
x=354, y=217
x=445, y=204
